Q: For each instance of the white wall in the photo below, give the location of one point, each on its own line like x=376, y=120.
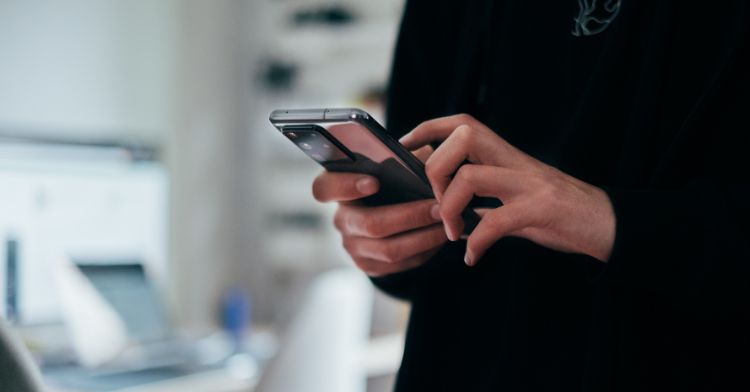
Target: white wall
x=212, y=206
x=87, y=68
x=182, y=75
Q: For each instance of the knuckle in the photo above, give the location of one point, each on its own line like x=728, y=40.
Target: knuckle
x=370, y=225
x=391, y=253
x=349, y=246
x=463, y=131
x=503, y=216
x=446, y=213
x=495, y=220
x=339, y=217
x=430, y=169
x=514, y=219
x=423, y=213
x=364, y=266
x=438, y=237
x=450, y=210
x=466, y=173
x=465, y=134
x=548, y=193
x=375, y=272
x=465, y=117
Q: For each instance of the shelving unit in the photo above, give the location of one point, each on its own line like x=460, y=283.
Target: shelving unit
x=334, y=66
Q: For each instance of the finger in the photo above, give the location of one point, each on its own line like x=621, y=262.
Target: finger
x=385, y=221
x=330, y=186
x=377, y=268
x=480, y=144
x=496, y=224
x=482, y=211
x=473, y=145
x=396, y=248
x=448, y=157
x=423, y=153
x=479, y=180
x=435, y=130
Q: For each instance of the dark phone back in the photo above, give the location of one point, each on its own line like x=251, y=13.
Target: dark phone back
x=349, y=140
x=397, y=184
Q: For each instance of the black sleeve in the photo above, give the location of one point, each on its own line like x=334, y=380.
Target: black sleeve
x=404, y=285
x=690, y=245
x=688, y=241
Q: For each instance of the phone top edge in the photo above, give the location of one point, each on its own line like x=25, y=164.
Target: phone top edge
x=296, y=115
x=281, y=116
x=342, y=114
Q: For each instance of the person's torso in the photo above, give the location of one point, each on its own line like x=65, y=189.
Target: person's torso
x=604, y=91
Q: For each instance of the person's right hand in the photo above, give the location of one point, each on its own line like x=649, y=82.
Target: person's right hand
x=385, y=239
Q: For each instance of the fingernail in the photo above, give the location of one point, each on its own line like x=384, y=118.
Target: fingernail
x=401, y=140
x=449, y=232
x=366, y=185
x=435, y=212
x=468, y=259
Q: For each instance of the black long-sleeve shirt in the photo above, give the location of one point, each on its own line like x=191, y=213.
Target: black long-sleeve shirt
x=649, y=101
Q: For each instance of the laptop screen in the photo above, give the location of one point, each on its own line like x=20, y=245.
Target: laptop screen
x=127, y=289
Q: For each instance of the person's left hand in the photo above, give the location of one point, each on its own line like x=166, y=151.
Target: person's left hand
x=540, y=203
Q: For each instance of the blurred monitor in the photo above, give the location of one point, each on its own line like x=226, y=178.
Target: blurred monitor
x=61, y=200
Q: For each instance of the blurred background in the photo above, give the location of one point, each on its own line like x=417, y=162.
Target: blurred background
x=156, y=232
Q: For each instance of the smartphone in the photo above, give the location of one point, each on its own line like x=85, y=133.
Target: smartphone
x=350, y=140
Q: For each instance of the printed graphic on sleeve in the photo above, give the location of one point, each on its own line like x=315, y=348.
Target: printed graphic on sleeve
x=594, y=16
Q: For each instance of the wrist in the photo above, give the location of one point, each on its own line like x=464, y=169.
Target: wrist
x=603, y=226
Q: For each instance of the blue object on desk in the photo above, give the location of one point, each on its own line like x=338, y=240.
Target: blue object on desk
x=235, y=315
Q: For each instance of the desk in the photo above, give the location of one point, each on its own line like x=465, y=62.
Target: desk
x=219, y=380
x=214, y=380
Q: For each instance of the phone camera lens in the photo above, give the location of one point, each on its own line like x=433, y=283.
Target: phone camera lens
x=317, y=157
x=291, y=135
x=306, y=146
x=326, y=146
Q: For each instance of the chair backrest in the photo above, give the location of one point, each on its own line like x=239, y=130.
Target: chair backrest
x=325, y=343
x=17, y=370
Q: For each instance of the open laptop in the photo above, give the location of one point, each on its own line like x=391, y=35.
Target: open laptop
x=127, y=289
x=159, y=353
